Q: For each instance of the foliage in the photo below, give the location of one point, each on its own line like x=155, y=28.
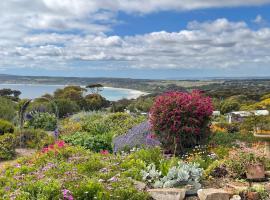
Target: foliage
x=72, y=93
x=6, y=127
x=217, y=169
x=7, y=146
x=92, y=142
x=141, y=104
x=33, y=138
x=7, y=109
x=229, y=106
x=10, y=94
x=66, y=107
x=180, y=120
x=44, y=121
x=237, y=162
x=95, y=102
x=96, y=130
x=64, y=172
x=230, y=139
x=182, y=174
x=139, y=136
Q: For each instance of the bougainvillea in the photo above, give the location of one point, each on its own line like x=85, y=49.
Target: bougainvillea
x=181, y=120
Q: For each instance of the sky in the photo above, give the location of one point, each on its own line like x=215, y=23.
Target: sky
x=159, y=39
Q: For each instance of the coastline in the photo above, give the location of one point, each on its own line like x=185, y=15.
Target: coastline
x=132, y=94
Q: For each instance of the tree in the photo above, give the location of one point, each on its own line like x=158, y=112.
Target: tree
x=95, y=102
x=7, y=109
x=181, y=120
x=72, y=93
x=95, y=88
x=229, y=106
x=66, y=107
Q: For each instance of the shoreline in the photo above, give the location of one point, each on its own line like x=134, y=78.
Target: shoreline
x=132, y=93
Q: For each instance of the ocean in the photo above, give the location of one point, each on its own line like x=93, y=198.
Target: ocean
x=33, y=91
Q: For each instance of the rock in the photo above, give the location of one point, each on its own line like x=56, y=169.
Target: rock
x=139, y=185
x=213, y=194
x=267, y=187
x=235, y=197
x=267, y=173
x=167, y=194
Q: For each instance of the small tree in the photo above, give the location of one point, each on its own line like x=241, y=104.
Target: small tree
x=180, y=119
x=95, y=88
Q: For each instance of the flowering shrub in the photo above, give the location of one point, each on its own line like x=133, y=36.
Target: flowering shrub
x=54, y=147
x=138, y=136
x=180, y=120
x=72, y=173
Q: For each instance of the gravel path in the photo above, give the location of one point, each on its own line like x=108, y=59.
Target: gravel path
x=19, y=153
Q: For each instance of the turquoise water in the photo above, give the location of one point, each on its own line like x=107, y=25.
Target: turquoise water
x=34, y=91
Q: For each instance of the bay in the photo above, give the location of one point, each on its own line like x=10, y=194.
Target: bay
x=33, y=91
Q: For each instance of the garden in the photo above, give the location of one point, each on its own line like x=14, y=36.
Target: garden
x=86, y=151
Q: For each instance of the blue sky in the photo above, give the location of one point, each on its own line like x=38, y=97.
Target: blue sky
x=138, y=39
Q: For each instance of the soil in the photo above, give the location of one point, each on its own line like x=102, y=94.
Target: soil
x=19, y=153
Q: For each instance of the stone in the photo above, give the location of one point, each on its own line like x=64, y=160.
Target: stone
x=139, y=185
x=235, y=197
x=213, y=194
x=167, y=193
x=267, y=187
x=267, y=173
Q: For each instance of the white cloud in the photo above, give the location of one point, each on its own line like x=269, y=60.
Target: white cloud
x=212, y=44
x=50, y=33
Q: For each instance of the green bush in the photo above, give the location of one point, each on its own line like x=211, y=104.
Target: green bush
x=66, y=107
x=98, y=129
x=7, y=146
x=33, y=138
x=6, y=127
x=92, y=142
x=7, y=109
x=44, y=121
x=67, y=172
x=230, y=139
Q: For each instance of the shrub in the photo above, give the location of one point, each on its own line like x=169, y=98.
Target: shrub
x=44, y=121
x=180, y=120
x=7, y=146
x=95, y=102
x=92, y=142
x=139, y=136
x=33, y=138
x=7, y=109
x=65, y=172
x=182, y=174
x=66, y=107
x=6, y=127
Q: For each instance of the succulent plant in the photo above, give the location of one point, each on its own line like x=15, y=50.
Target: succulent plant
x=180, y=175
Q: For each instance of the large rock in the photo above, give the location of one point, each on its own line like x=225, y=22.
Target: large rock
x=213, y=194
x=167, y=194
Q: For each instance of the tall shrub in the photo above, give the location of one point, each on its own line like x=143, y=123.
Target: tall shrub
x=181, y=120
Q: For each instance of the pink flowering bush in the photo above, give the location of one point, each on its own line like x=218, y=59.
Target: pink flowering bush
x=181, y=120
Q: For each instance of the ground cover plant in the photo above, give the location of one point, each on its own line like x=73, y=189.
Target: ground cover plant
x=96, y=130
x=61, y=171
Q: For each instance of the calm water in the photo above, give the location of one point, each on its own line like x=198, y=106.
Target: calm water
x=34, y=91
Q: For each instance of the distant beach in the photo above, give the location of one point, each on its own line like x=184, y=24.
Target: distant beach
x=37, y=90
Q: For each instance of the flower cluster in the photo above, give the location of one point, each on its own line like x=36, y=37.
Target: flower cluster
x=67, y=194
x=54, y=147
x=138, y=136
x=180, y=117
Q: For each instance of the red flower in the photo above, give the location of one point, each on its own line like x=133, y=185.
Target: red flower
x=61, y=144
x=181, y=115
x=104, y=152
